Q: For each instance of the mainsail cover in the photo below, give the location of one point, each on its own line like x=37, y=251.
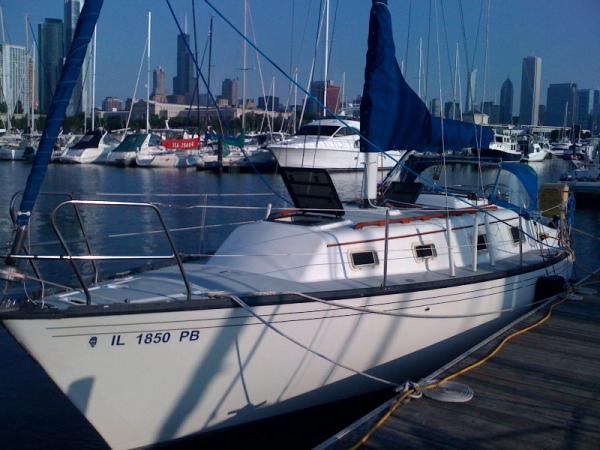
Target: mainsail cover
x=392, y=116
x=60, y=101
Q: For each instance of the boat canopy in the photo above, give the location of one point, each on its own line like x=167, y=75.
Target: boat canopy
x=131, y=143
x=392, y=114
x=89, y=140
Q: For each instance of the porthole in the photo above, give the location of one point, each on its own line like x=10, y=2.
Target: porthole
x=364, y=259
x=425, y=251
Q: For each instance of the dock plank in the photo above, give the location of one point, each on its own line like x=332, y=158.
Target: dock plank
x=542, y=390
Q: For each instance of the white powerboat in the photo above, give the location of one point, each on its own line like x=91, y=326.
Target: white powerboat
x=328, y=144
x=133, y=144
x=12, y=147
x=532, y=150
x=93, y=148
x=503, y=146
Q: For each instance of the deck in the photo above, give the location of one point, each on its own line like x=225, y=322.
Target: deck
x=542, y=390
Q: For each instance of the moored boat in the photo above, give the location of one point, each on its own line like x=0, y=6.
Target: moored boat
x=315, y=303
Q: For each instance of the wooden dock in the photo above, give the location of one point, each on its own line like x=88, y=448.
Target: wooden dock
x=542, y=390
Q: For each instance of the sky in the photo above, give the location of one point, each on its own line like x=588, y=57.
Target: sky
x=564, y=33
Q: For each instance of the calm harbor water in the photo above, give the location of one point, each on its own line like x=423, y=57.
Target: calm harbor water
x=33, y=413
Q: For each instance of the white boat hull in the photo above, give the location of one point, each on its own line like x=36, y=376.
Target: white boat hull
x=168, y=159
x=86, y=156
x=11, y=154
x=342, y=159
x=221, y=367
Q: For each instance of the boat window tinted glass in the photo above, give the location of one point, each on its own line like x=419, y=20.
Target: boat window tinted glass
x=90, y=140
x=481, y=243
x=154, y=140
x=317, y=130
x=516, y=236
x=361, y=259
x=347, y=131
x=131, y=143
x=425, y=251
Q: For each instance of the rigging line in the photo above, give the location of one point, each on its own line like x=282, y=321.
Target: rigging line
x=477, y=35
x=249, y=310
x=464, y=36
x=196, y=87
x=452, y=69
x=426, y=87
x=136, y=84
x=335, y=13
x=313, y=63
x=407, y=37
x=260, y=73
x=485, y=63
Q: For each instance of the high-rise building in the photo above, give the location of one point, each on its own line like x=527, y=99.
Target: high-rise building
x=159, y=82
x=185, y=81
x=596, y=114
x=229, y=91
x=585, y=107
x=506, y=102
x=14, y=88
x=471, y=103
x=79, y=99
x=272, y=103
x=531, y=78
x=317, y=90
x=435, y=107
x=50, y=42
x=493, y=112
x=452, y=110
x=112, y=104
x=561, y=104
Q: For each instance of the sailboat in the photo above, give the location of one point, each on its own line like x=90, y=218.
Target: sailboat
x=315, y=303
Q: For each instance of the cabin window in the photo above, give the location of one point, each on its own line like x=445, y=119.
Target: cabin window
x=516, y=234
x=498, y=139
x=364, y=259
x=481, y=243
x=426, y=251
x=317, y=130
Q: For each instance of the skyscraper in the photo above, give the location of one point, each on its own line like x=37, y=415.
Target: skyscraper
x=471, y=103
x=452, y=110
x=72, y=8
x=317, y=90
x=531, y=78
x=229, y=91
x=51, y=42
x=435, y=107
x=585, y=107
x=561, y=105
x=14, y=88
x=159, y=82
x=184, y=81
x=506, y=102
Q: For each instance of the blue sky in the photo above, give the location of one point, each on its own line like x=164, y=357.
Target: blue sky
x=565, y=34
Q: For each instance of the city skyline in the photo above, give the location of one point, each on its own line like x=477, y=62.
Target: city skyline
x=117, y=68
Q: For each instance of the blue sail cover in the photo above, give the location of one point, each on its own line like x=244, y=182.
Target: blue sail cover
x=457, y=135
x=392, y=116
x=56, y=113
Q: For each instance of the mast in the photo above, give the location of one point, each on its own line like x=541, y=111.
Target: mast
x=343, y=102
x=93, y=107
x=244, y=68
x=454, y=90
x=210, y=37
x=326, y=64
x=148, y=74
x=295, y=99
x=420, y=64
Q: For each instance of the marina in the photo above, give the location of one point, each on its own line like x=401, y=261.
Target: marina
x=190, y=270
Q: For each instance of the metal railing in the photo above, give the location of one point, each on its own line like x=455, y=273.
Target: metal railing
x=72, y=259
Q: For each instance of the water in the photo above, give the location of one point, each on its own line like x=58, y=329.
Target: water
x=35, y=414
